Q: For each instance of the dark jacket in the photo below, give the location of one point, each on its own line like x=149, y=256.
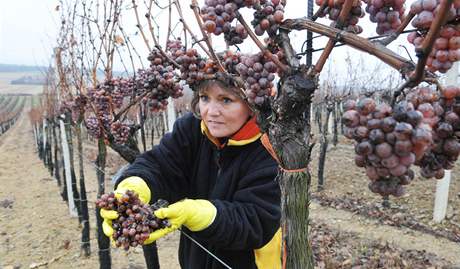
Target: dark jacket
x=238, y=179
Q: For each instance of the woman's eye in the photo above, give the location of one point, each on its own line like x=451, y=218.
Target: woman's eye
x=227, y=100
x=203, y=98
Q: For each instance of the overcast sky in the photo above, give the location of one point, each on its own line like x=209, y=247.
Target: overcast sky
x=28, y=28
x=27, y=31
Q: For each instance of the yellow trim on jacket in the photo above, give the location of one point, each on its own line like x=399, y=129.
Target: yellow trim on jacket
x=230, y=142
x=269, y=256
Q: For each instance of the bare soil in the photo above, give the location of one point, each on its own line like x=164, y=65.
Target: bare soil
x=36, y=230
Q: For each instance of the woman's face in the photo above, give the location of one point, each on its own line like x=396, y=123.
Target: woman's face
x=223, y=111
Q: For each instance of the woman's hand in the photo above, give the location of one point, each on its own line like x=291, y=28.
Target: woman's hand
x=135, y=184
x=196, y=215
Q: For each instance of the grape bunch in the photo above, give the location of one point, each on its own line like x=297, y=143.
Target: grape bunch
x=100, y=98
x=120, y=131
x=268, y=16
x=123, y=87
x=159, y=80
x=230, y=61
x=388, y=141
x=78, y=106
x=446, y=49
x=333, y=9
x=445, y=121
x=217, y=15
x=135, y=221
x=145, y=81
x=235, y=35
x=426, y=11
x=258, y=73
x=93, y=127
x=388, y=14
x=193, y=67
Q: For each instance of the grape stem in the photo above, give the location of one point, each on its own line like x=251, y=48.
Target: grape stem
x=259, y=44
x=155, y=41
x=187, y=28
x=346, y=8
x=392, y=37
x=141, y=30
x=342, y=44
x=319, y=11
x=132, y=103
x=169, y=22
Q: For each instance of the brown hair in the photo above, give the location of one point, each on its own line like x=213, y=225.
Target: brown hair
x=206, y=85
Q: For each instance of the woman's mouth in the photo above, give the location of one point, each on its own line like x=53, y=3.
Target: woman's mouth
x=214, y=122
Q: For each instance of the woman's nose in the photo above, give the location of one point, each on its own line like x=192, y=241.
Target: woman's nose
x=213, y=109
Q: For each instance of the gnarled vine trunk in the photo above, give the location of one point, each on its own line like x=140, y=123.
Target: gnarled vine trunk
x=288, y=127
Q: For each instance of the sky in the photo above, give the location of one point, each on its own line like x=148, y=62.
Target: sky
x=28, y=31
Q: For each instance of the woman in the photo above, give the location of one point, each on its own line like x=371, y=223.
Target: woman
x=219, y=180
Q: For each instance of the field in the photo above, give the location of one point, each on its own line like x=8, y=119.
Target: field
x=7, y=88
x=350, y=228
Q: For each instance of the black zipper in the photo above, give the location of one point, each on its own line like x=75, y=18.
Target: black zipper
x=218, y=162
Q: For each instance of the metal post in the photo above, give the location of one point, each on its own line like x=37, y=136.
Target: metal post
x=309, y=35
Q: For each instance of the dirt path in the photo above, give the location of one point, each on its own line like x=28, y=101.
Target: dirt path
x=37, y=230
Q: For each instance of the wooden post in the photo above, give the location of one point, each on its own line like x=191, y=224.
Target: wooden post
x=35, y=136
x=44, y=140
x=68, y=176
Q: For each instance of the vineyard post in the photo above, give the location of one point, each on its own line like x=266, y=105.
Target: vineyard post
x=75, y=193
x=335, y=121
x=35, y=135
x=85, y=233
x=442, y=186
x=57, y=152
x=43, y=153
x=171, y=114
x=324, y=144
x=68, y=177
x=441, y=197
x=309, y=56
x=141, y=121
x=49, y=144
x=103, y=241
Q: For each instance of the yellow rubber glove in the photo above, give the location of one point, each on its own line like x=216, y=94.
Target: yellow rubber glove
x=135, y=184
x=108, y=216
x=196, y=215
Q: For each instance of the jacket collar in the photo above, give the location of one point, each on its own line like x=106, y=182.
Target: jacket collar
x=247, y=134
